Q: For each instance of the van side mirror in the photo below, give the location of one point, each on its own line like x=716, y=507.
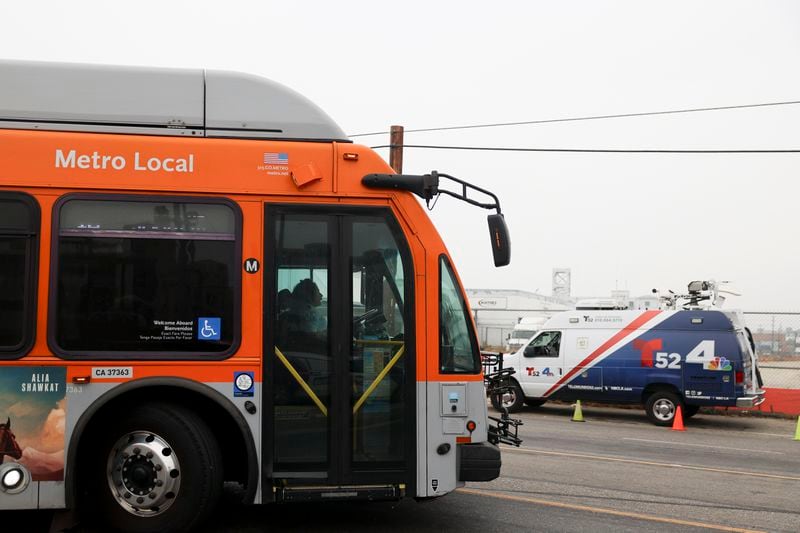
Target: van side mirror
x=501, y=241
x=530, y=351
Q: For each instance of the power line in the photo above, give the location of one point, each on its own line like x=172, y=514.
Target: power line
x=592, y=150
x=594, y=117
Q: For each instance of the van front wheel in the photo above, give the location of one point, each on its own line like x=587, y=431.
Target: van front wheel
x=512, y=399
x=661, y=406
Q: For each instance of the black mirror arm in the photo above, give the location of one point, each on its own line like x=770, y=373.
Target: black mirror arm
x=463, y=195
x=427, y=187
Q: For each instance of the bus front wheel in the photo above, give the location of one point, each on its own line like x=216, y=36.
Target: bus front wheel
x=157, y=467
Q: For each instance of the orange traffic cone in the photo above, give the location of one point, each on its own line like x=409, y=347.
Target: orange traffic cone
x=677, y=423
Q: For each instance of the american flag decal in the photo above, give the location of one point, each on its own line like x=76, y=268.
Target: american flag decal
x=275, y=158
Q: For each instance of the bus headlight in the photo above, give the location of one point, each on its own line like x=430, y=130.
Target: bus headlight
x=14, y=478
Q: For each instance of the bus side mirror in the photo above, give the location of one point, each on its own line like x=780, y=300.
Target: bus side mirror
x=501, y=242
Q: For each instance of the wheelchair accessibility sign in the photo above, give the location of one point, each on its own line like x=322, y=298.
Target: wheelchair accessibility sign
x=209, y=328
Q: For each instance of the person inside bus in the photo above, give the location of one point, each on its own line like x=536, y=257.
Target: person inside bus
x=303, y=314
x=301, y=336
x=284, y=299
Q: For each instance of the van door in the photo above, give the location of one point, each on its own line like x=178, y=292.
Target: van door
x=710, y=367
x=542, y=363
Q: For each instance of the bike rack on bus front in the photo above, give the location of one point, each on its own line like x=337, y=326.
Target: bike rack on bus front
x=497, y=380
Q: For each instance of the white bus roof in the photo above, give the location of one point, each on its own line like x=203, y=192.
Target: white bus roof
x=156, y=101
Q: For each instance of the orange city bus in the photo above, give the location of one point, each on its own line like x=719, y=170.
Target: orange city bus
x=203, y=280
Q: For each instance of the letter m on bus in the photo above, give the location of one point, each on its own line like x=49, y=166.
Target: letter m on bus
x=251, y=266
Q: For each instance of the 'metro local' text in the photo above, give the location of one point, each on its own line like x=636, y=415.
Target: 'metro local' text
x=98, y=161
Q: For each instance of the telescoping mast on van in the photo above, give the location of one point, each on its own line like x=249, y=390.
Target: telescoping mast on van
x=692, y=357
x=205, y=281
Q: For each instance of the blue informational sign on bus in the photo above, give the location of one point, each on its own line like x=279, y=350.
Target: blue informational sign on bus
x=209, y=328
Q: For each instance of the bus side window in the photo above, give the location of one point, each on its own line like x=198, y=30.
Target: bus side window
x=458, y=348
x=146, y=277
x=19, y=229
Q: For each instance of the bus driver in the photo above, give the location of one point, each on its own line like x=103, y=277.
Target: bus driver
x=303, y=315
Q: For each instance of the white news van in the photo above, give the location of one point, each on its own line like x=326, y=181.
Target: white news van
x=658, y=358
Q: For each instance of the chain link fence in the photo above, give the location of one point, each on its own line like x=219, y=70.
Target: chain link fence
x=777, y=339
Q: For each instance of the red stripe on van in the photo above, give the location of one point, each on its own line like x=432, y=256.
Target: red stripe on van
x=621, y=334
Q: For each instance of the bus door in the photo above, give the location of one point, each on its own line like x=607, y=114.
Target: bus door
x=339, y=378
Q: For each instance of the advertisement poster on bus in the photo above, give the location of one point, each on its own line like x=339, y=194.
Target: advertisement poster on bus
x=32, y=417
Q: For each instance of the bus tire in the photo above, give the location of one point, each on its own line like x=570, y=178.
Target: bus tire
x=156, y=468
x=661, y=405
x=513, y=400
x=535, y=402
x=690, y=410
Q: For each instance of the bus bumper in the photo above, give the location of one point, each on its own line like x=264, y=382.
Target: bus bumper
x=479, y=462
x=751, y=401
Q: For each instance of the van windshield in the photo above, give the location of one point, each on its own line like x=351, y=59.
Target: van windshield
x=524, y=334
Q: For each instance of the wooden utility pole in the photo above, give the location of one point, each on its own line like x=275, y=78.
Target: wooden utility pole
x=396, y=150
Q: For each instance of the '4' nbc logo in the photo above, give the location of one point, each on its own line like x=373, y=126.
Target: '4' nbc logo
x=718, y=363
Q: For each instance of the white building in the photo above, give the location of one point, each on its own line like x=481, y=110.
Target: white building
x=496, y=311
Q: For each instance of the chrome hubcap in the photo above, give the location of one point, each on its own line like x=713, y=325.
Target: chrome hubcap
x=143, y=473
x=508, y=399
x=664, y=409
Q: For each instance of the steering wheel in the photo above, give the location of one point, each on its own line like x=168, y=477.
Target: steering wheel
x=369, y=315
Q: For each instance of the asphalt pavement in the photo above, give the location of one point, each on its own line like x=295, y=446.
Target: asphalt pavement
x=739, y=472
x=613, y=472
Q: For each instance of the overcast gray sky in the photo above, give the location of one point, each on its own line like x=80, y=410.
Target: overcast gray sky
x=626, y=221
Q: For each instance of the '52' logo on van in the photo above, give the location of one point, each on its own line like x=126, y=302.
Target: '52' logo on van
x=533, y=372
x=702, y=353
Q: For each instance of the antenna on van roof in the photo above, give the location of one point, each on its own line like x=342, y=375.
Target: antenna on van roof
x=698, y=291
